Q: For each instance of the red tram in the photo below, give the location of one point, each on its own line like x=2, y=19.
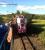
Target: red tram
x=21, y=24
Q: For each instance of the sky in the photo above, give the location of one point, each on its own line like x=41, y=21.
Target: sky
x=30, y=6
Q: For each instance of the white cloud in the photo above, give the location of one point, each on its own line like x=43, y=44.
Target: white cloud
x=3, y=4
x=5, y=12
x=35, y=7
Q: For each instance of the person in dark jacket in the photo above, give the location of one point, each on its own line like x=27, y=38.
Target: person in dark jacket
x=3, y=34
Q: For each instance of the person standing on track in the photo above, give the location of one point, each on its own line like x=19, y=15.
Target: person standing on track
x=12, y=31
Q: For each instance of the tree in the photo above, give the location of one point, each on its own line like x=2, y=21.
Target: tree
x=1, y=20
x=18, y=12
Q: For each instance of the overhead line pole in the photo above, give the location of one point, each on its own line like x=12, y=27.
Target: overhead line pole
x=8, y=4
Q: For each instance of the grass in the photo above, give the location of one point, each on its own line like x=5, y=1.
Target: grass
x=41, y=34
x=42, y=37
x=38, y=21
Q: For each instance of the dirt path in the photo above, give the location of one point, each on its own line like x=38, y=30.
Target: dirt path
x=27, y=43
x=18, y=44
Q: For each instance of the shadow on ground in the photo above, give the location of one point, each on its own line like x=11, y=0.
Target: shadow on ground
x=34, y=29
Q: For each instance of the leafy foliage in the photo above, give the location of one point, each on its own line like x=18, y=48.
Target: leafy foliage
x=1, y=19
x=7, y=18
